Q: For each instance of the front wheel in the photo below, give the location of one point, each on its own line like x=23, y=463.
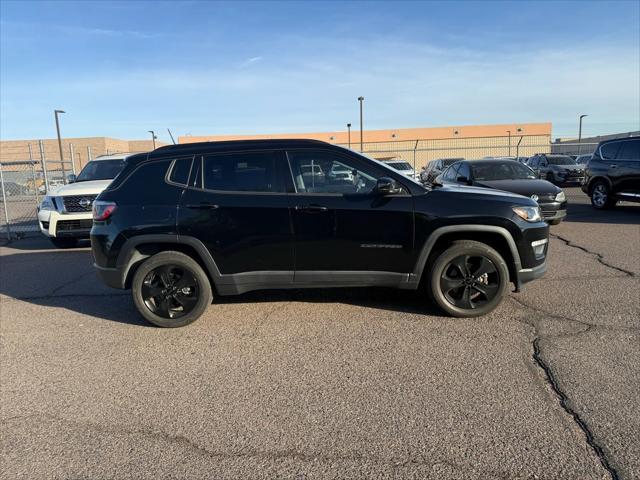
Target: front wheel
x=468, y=279
x=171, y=289
x=601, y=196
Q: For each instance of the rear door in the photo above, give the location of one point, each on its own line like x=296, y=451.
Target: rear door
x=625, y=175
x=237, y=206
x=340, y=224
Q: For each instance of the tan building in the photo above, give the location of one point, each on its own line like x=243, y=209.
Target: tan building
x=420, y=145
x=18, y=150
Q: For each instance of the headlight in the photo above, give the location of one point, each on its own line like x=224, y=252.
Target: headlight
x=561, y=197
x=530, y=214
x=47, y=203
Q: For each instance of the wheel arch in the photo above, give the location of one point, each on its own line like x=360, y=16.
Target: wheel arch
x=137, y=249
x=496, y=237
x=597, y=178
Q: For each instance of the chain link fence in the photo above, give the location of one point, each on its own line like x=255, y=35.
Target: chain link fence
x=24, y=183
x=21, y=189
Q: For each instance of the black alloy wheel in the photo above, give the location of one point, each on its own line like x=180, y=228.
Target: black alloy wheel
x=470, y=281
x=467, y=279
x=170, y=291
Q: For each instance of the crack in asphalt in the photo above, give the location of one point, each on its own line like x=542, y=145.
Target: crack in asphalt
x=394, y=463
x=552, y=381
x=599, y=256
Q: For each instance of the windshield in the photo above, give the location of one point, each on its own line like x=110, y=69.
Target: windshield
x=101, y=170
x=508, y=170
x=400, y=165
x=563, y=160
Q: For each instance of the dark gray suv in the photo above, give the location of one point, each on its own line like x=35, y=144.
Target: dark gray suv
x=613, y=173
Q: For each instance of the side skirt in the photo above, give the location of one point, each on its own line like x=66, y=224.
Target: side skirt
x=235, y=284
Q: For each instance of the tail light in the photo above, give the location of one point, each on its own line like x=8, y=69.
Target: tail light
x=103, y=210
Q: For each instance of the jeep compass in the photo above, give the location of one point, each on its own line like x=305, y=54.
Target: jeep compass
x=186, y=222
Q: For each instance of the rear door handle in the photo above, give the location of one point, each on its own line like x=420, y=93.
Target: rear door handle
x=203, y=206
x=614, y=165
x=311, y=208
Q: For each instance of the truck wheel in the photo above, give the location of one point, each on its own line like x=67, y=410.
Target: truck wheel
x=64, y=242
x=601, y=196
x=171, y=289
x=468, y=279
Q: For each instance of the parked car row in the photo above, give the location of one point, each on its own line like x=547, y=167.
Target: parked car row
x=609, y=175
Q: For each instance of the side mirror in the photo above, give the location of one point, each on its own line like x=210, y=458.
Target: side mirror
x=71, y=178
x=464, y=180
x=387, y=186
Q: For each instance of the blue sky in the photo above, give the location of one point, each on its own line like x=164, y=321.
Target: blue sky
x=122, y=68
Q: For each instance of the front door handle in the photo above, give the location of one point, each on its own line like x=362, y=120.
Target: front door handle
x=614, y=165
x=203, y=206
x=311, y=208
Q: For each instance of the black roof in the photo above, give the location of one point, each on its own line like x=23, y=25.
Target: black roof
x=197, y=147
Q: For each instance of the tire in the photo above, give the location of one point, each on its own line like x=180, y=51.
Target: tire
x=482, y=297
x=64, y=242
x=601, y=196
x=157, y=292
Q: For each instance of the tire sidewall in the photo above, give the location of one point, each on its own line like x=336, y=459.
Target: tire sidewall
x=183, y=261
x=471, y=248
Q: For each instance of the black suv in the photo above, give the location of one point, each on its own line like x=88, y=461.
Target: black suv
x=613, y=173
x=184, y=221
x=557, y=169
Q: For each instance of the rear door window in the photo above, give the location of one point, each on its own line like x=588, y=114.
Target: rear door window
x=629, y=150
x=242, y=172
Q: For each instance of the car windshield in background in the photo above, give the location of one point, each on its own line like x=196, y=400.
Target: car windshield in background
x=100, y=170
x=563, y=160
x=400, y=165
x=450, y=161
x=507, y=170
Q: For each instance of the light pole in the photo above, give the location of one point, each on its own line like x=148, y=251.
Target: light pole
x=153, y=138
x=349, y=133
x=361, y=99
x=580, y=134
x=55, y=113
x=509, y=132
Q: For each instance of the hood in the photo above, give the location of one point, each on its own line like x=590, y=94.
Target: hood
x=93, y=187
x=525, y=187
x=454, y=187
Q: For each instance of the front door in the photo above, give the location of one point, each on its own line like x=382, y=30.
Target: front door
x=339, y=224
x=237, y=206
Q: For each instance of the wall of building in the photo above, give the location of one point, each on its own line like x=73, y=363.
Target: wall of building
x=18, y=150
x=418, y=146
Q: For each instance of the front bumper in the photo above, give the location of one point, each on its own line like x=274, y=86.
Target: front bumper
x=64, y=225
x=527, y=275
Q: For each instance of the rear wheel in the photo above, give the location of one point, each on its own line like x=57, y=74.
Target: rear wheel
x=468, y=279
x=171, y=289
x=601, y=196
x=64, y=242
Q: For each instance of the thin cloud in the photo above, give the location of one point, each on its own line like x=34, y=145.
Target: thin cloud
x=250, y=61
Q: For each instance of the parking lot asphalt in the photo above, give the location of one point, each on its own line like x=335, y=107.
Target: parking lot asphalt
x=355, y=383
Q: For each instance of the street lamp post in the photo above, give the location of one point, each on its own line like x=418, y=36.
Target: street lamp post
x=361, y=99
x=349, y=133
x=55, y=113
x=153, y=138
x=509, y=132
x=580, y=134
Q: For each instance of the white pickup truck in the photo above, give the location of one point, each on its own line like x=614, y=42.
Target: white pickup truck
x=65, y=212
